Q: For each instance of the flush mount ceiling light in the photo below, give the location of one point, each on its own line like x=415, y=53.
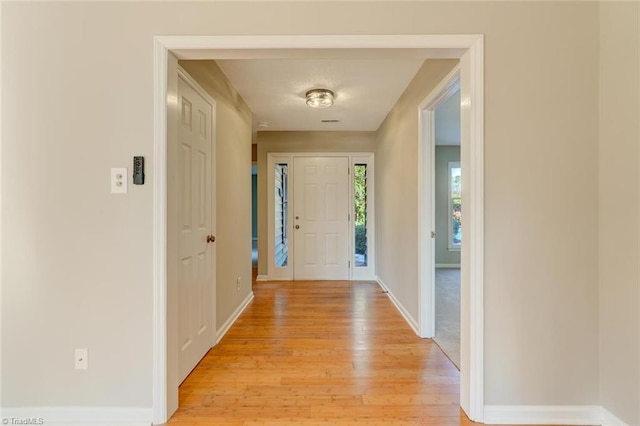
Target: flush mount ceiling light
x=320, y=98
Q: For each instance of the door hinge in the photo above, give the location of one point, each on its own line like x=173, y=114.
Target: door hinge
x=348, y=171
x=349, y=262
x=349, y=217
x=433, y=234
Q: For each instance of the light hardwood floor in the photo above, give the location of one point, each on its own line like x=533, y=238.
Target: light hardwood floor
x=321, y=353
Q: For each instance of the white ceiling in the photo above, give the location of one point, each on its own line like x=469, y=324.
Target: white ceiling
x=366, y=89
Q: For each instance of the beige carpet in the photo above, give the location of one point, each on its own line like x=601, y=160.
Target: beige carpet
x=448, y=313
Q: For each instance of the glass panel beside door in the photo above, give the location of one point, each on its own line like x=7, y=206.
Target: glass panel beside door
x=360, y=216
x=281, y=204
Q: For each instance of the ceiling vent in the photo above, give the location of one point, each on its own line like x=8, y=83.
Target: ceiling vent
x=330, y=121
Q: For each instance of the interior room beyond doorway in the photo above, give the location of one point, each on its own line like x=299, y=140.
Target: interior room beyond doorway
x=448, y=226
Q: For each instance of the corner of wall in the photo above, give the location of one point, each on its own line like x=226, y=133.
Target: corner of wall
x=619, y=190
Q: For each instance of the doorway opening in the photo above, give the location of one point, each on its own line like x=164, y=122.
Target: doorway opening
x=469, y=48
x=448, y=207
x=469, y=174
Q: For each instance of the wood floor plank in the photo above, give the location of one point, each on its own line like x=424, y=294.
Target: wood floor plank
x=321, y=353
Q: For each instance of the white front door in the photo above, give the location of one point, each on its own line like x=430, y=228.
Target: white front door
x=321, y=218
x=196, y=272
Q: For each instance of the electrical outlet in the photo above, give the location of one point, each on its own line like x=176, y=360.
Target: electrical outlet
x=118, y=180
x=238, y=284
x=82, y=359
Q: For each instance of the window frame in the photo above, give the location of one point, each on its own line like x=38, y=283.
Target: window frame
x=451, y=246
x=363, y=272
x=275, y=272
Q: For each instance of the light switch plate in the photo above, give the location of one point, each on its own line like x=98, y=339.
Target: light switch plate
x=119, y=180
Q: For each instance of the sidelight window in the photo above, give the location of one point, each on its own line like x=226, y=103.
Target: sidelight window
x=455, y=205
x=281, y=204
x=360, y=219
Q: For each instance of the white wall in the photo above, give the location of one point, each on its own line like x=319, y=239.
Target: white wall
x=77, y=99
x=540, y=161
x=397, y=187
x=541, y=136
x=619, y=211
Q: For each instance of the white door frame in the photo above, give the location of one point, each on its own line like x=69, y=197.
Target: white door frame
x=426, y=199
x=286, y=273
x=472, y=250
x=469, y=49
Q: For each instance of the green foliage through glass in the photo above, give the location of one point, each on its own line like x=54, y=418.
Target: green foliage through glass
x=360, y=219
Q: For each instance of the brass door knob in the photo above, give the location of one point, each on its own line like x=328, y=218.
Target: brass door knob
x=211, y=239
x=297, y=226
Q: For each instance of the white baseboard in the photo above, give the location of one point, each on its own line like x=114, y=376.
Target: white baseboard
x=543, y=414
x=268, y=278
x=234, y=316
x=78, y=416
x=448, y=265
x=405, y=314
x=609, y=419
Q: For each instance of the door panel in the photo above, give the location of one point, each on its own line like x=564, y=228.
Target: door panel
x=332, y=249
x=321, y=211
x=195, y=215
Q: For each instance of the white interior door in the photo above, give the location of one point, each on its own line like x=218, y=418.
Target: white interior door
x=321, y=218
x=196, y=272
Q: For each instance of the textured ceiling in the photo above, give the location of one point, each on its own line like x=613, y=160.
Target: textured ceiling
x=366, y=89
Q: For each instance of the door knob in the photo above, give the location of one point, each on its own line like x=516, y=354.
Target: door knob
x=211, y=239
x=297, y=226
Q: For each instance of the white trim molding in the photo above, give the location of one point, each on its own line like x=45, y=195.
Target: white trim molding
x=233, y=318
x=467, y=47
x=403, y=311
x=451, y=246
x=1, y=210
x=469, y=75
x=610, y=419
x=275, y=272
x=80, y=416
x=239, y=46
x=543, y=414
x=262, y=278
x=472, y=114
x=426, y=199
x=159, y=181
x=368, y=272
